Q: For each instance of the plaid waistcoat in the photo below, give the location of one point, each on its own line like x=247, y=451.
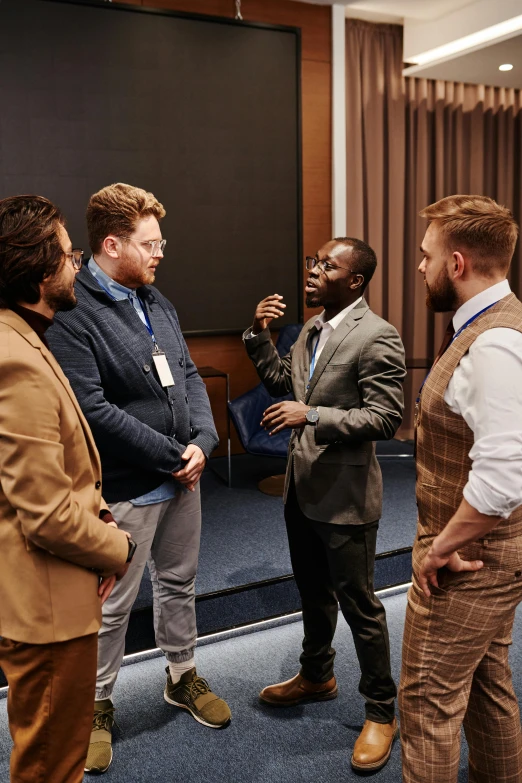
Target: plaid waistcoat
x=444, y=440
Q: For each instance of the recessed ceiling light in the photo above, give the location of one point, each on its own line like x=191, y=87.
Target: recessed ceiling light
x=505, y=67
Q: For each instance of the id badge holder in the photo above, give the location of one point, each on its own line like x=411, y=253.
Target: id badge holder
x=162, y=368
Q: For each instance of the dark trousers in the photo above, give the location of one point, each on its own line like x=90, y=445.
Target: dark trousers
x=50, y=707
x=335, y=563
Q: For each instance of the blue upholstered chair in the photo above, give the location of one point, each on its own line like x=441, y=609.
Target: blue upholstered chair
x=246, y=411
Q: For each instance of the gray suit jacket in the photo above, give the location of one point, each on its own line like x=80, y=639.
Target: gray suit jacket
x=357, y=389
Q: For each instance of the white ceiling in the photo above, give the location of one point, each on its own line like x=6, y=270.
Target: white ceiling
x=481, y=67
x=396, y=10
x=477, y=67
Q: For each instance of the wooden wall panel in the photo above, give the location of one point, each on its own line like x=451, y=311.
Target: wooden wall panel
x=227, y=353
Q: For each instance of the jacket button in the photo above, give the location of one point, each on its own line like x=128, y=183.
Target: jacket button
x=97, y=485
x=186, y=398
x=181, y=362
x=146, y=368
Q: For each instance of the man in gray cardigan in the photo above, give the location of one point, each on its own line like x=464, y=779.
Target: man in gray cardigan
x=346, y=372
x=124, y=354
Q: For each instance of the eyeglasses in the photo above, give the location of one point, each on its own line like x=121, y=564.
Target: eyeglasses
x=155, y=246
x=324, y=266
x=76, y=258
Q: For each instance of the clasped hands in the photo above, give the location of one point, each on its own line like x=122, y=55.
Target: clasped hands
x=284, y=415
x=190, y=474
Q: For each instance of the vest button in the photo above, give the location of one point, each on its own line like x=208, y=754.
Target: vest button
x=146, y=368
x=181, y=362
x=97, y=485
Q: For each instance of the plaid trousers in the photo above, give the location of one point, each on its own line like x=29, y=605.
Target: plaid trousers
x=455, y=672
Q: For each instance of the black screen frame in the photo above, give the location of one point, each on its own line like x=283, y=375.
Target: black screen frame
x=108, y=5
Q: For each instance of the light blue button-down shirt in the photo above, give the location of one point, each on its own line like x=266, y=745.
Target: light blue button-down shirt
x=167, y=490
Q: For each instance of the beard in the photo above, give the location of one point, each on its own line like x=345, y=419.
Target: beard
x=441, y=296
x=312, y=300
x=60, y=297
x=131, y=272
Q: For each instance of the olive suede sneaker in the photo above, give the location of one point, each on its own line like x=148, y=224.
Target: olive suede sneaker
x=99, y=755
x=193, y=693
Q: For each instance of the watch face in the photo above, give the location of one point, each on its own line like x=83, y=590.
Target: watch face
x=312, y=416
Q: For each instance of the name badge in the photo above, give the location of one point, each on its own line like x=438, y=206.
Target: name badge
x=162, y=368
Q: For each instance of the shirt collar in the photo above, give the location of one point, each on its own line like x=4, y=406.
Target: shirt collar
x=477, y=303
x=334, y=322
x=38, y=322
x=114, y=289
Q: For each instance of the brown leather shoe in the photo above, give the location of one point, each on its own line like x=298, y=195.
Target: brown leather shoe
x=297, y=691
x=373, y=746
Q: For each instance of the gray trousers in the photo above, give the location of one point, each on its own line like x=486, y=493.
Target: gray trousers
x=168, y=536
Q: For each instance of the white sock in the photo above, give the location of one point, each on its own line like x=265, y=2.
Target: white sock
x=177, y=669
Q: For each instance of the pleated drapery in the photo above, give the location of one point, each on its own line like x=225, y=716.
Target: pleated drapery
x=411, y=142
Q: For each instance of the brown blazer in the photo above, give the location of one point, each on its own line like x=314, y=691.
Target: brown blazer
x=50, y=499
x=357, y=389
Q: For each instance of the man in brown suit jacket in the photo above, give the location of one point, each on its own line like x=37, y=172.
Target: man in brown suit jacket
x=345, y=372
x=55, y=545
x=467, y=555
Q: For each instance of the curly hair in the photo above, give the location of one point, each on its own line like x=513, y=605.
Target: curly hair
x=116, y=210
x=30, y=247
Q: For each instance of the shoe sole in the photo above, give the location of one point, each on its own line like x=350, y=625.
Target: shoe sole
x=305, y=700
x=195, y=715
x=98, y=771
x=377, y=765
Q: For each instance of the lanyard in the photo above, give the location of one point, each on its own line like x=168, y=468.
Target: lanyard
x=148, y=324
x=464, y=326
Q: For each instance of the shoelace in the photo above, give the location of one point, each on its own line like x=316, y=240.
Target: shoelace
x=198, y=687
x=104, y=720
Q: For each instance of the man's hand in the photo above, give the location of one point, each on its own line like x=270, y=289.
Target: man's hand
x=191, y=473
x=106, y=587
x=270, y=308
x=284, y=415
x=427, y=574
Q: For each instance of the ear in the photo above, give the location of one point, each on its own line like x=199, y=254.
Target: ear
x=111, y=246
x=458, y=266
x=358, y=281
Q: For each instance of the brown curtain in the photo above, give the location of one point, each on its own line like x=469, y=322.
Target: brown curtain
x=409, y=143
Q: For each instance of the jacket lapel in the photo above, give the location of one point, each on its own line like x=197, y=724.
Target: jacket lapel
x=16, y=322
x=301, y=358
x=334, y=341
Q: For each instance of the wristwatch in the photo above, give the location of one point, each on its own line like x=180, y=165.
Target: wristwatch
x=312, y=416
x=132, y=548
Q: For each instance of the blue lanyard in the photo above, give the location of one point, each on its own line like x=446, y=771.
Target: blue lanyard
x=464, y=326
x=148, y=323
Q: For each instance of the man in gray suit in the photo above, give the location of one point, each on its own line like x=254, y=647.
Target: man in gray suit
x=346, y=372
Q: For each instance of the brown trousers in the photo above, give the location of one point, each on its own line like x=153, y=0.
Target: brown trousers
x=455, y=672
x=50, y=707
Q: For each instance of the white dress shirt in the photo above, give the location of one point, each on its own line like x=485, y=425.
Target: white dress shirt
x=326, y=328
x=486, y=390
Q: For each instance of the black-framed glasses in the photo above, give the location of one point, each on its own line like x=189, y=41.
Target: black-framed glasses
x=323, y=266
x=76, y=258
x=154, y=246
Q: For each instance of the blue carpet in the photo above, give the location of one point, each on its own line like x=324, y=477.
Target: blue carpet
x=308, y=744
x=244, y=539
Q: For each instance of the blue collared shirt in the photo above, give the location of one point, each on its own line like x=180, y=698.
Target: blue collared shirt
x=167, y=490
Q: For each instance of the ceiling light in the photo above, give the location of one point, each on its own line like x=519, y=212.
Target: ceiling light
x=505, y=67
x=489, y=34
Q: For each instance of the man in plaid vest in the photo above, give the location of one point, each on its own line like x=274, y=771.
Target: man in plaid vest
x=467, y=556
